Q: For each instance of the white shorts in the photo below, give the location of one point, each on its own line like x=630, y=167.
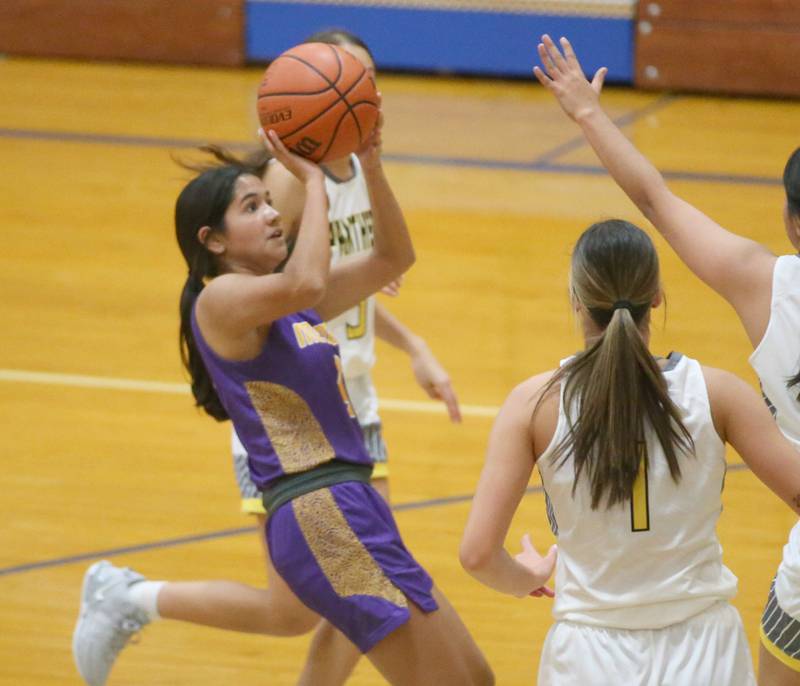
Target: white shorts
x=787, y=580
x=709, y=648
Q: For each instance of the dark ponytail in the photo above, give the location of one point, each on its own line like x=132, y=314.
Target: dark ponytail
x=791, y=184
x=202, y=202
x=616, y=385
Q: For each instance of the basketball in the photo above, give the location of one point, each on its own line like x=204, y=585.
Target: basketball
x=320, y=100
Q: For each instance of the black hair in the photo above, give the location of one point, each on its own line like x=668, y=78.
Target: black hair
x=791, y=183
x=202, y=202
x=339, y=36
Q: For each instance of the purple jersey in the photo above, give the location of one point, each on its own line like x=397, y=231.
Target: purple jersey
x=288, y=404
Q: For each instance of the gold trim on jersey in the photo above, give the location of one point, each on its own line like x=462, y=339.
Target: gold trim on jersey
x=296, y=436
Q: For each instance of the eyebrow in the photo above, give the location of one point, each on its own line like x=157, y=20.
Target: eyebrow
x=247, y=197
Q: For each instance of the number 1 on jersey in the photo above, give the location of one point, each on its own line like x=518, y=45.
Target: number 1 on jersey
x=640, y=505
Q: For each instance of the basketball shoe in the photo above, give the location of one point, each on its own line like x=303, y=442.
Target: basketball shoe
x=107, y=620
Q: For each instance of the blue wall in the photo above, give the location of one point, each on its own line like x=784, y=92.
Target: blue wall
x=440, y=40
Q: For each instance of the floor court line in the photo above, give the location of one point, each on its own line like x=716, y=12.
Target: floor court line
x=578, y=142
x=541, y=164
x=238, y=531
x=139, y=385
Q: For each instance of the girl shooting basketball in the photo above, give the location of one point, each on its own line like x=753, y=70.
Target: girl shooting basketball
x=259, y=353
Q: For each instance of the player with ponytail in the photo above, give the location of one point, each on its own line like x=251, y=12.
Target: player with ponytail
x=254, y=341
x=763, y=289
x=630, y=447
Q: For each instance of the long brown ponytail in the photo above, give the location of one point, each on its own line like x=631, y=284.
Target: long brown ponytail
x=616, y=386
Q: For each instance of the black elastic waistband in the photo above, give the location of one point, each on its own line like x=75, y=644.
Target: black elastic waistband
x=293, y=485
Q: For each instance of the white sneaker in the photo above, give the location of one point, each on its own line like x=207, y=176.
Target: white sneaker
x=106, y=622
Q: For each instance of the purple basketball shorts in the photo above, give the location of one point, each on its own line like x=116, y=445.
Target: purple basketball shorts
x=339, y=550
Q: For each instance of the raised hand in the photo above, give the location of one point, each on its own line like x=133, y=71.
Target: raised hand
x=542, y=567
x=302, y=168
x=370, y=151
x=565, y=79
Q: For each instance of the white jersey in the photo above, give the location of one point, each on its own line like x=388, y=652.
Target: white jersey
x=777, y=357
x=351, y=231
x=775, y=360
x=656, y=560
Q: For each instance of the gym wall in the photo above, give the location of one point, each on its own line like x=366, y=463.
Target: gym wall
x=728, y=46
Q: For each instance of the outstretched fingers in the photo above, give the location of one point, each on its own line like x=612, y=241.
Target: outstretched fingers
x=555, y=54
x=599, y=79
x=547, y=60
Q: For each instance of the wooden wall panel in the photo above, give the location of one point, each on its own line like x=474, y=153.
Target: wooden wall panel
x=719, y=58
x=180, y=31
x=778, y=12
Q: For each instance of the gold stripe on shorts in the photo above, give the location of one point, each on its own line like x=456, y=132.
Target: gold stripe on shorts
x=342, y=557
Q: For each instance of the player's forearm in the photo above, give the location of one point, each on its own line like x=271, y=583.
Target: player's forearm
x=632, y=171
x=500, y=572
x=310, y=259
x=390, y=330
x=392, y=241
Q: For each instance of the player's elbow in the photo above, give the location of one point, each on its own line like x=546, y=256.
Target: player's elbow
x=308, y=292
x=404, y=262
x=473, y=556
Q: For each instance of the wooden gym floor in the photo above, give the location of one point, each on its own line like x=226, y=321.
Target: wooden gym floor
x=103, y=454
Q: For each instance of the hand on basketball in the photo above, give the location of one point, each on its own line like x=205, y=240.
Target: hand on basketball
x=541, y=567
x=565, y=79
x=434, y=380
x=370, y=151
x=302, y=168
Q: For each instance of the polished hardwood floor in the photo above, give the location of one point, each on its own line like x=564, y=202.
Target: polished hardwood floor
x=103, y=454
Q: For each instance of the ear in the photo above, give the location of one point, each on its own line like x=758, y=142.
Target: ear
x=794, y=221
x=574, y=303
x=212, y=240
x=658, y=299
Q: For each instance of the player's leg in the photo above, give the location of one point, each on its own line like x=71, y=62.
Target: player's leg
x=117, y=603
x=331, y=656
x=432, y=648
x=779, y=650
x=274, y=610
x=341, y=553
x=773, y=672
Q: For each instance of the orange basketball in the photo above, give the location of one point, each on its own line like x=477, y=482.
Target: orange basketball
x=320, y=100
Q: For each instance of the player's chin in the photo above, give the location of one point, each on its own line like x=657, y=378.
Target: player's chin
x=280, y=258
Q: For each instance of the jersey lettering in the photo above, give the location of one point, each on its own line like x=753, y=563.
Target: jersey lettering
x=352, y=234
x=310, y=335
